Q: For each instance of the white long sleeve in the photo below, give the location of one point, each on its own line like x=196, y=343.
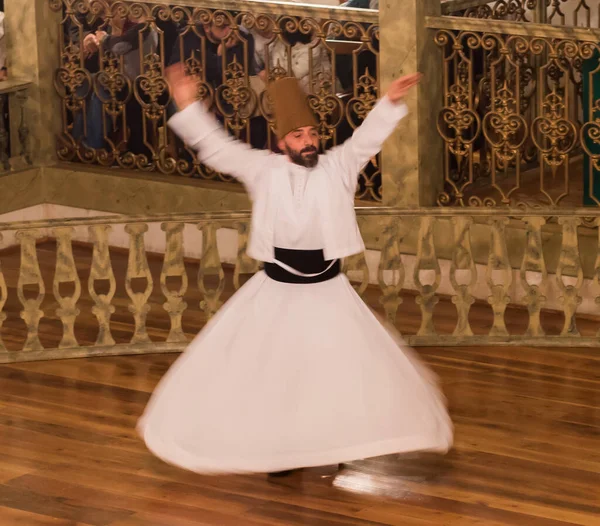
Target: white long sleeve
x=216, y=148
x=367, y=141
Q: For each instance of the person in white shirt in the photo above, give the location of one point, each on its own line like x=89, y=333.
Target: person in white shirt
x=295, y=370
x=305, y=57
x=3, y=70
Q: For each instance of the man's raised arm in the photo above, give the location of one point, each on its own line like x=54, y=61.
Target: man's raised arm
x=202, y=132
x=367, y=141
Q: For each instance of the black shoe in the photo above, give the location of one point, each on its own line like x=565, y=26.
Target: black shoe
x=279, y=474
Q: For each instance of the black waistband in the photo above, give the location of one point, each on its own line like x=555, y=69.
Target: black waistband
x=305, y=261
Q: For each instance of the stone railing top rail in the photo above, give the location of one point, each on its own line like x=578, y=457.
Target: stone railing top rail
x=505, y=27
x=368, y=16
x=13, y=85
x=243, y=215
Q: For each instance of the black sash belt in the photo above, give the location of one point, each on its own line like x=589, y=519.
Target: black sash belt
x=304, y=261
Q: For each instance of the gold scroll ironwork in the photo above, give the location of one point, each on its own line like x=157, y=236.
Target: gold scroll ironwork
x=116, y=101
x=582, y=13
x=511, y=123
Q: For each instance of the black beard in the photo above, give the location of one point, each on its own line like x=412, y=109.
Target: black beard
x=308, y=161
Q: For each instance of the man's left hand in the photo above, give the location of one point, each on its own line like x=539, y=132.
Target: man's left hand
x=400, y=87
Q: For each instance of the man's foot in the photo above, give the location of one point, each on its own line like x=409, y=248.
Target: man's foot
x=287, y=472
x=279, y=474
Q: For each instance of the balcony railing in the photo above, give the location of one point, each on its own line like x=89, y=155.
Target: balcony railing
x=520, y=120
x=14, y=133
x=516, y=10
x=127, y=285
x=116, y=102
x=576, y=13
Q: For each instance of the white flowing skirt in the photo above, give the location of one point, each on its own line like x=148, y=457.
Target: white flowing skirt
x=288, y=376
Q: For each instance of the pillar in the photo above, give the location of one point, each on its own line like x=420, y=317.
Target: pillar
x=32, y=33
x=412, y=174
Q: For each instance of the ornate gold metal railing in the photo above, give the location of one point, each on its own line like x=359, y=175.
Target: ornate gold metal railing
x=147, y=284
x=520, y=114
x=116, y=102
x=14, y=133
x=516, y=10
x=577, y=13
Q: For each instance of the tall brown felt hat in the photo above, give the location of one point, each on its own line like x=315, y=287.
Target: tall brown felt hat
x=290, y=105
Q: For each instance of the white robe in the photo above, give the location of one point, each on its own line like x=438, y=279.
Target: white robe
x=265, y=175
x=288, y=376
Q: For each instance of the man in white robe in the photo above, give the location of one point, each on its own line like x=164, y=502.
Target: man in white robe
x=335, y=173
x=259, y=390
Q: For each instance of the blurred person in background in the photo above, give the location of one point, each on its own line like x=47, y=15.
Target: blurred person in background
x=3, y=67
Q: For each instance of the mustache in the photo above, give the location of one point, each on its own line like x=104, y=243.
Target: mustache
x=309, y=149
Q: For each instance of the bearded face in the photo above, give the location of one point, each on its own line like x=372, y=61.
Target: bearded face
x=302, y=146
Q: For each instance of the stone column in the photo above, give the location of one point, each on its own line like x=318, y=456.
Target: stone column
x=32, y=34
x=412, y=158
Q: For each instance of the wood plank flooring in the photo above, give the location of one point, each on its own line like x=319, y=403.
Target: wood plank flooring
x=527, y=442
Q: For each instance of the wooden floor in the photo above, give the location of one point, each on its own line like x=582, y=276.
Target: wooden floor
x=527, y=447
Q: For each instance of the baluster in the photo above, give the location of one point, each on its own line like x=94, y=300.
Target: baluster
x=357, y=263
x=137, y=268
x=30, y=274
x=498, y=260
x=569, y=259
x=462, y=259
x=210, y=265
x=174, y=267
x=66, y=272
x=391, y=260
x=3, y=297
x=426, y=260
x=4, y=157
x=102, y=271
x=533, y=261
x=243, y=263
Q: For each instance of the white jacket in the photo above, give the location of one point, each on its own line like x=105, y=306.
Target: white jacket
x=264, y=174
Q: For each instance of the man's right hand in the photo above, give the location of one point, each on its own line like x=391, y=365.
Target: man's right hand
x=184, y=89
x=90, y=44
x=400, y=87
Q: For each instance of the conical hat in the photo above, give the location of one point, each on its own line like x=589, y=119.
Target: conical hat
x=291, y=106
